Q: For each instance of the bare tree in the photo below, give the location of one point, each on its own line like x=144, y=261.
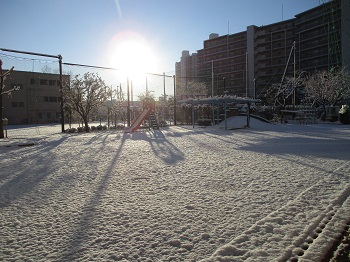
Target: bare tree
x=282, y=93
x=328, y=87
x=193, y=88
x=84, y=94
x=2, y=92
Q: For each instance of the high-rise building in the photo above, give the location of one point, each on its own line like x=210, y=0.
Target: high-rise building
x=247, y=63
x=186, y=71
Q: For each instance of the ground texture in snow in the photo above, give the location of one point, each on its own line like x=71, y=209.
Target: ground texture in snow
x=270, y=192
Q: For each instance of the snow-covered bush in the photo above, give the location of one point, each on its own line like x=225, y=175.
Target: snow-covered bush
x=344, y=114
x=344, y=109
x=71, y=130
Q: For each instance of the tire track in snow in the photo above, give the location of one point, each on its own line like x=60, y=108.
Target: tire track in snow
x=301, y=222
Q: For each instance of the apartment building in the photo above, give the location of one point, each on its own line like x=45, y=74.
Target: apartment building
x=247, y=63
x=187, y=68
x=38, y=100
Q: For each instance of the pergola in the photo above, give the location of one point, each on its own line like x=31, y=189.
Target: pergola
x=221, y=100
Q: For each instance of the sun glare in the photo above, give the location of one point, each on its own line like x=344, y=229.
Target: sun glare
x=132, y=55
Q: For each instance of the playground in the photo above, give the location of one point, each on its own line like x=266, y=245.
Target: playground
x=264, y=193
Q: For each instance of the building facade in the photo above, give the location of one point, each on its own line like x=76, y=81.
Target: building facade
x=187, y=68
x=38, y=100
x=248, y=62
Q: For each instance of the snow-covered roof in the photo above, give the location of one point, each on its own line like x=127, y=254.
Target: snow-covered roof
x=219, y=100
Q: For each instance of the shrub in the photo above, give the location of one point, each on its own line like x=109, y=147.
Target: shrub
x=120, y=126
x=344, y=114
x=71, y=130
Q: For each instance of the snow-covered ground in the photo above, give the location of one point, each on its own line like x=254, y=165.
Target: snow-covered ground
x=267, y=193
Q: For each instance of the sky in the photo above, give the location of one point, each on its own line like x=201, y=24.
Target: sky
x=91, y=32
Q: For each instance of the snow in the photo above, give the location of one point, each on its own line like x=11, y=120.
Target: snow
x=265, y=193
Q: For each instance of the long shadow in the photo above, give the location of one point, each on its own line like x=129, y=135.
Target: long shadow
x=28, y=179
x=81, y=233
x=302, y=146
x=161, y=146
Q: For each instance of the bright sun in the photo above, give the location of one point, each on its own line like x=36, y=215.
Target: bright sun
x=132, y=55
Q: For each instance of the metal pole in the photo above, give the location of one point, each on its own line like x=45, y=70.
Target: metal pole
x=212, y=78
x=248, y=114
x=224, y=85
x=225, y=108
x=1, y=110
x=132, y=94
x=61, y=91
x=212, y=89
x=294, y=78
x=174, y=100
x=246, y=75
x=128, y=107
x=164, y=86
x=254, y=88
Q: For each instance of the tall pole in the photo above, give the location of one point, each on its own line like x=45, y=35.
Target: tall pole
x=212, y=78
x=254, y=95
x=61, y=91
x=132, y=93
x=174, y=100
x=164, y=88
x=128, y=107
x=246, y=75
x=1, y=87
x=212, y=89
x=224, y=86
x=294, y=77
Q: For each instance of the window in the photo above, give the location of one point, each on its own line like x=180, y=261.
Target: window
x=44, y=82
x=40, y=115
x=34, y=81
x=48, y=115
x=17, y=104
x=52, y=82
x=53, y=99
x=58, y=115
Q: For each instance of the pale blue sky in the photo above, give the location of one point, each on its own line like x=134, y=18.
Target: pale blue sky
x=83, y=31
